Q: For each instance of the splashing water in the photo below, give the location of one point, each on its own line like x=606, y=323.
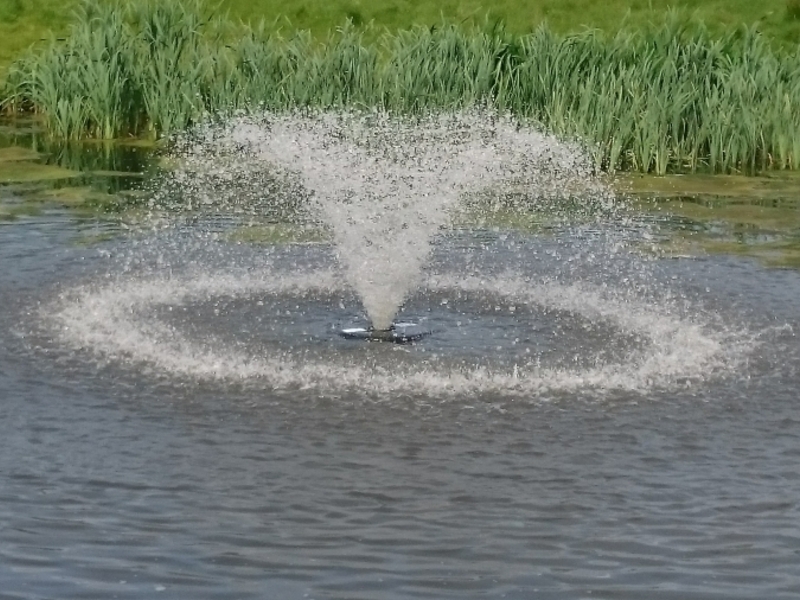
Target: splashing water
x=538, y=317
x=117, y=319
x=385, y=185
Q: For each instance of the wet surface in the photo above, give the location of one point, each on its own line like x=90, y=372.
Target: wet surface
x=120, y=477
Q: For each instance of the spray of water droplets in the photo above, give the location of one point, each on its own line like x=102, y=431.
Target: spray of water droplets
x=383, y=187
x=115, y=319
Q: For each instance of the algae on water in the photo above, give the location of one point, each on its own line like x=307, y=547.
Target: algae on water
x=758, y=217
x=17, y=154
x=19, y=165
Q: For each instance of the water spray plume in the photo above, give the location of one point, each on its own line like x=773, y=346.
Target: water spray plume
x=511, y=314
x=385, y=185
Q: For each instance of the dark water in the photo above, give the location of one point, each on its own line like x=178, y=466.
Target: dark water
x=119, y=479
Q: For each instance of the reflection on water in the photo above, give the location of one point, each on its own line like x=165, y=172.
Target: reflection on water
x=38, y=174
x=122, y=156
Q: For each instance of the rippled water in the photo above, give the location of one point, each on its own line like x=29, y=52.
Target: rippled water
x=177, y=422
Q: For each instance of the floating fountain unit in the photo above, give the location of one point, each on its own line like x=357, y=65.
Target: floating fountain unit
x=397, y=333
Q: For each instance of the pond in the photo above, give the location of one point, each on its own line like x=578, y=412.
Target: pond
x=604, y=409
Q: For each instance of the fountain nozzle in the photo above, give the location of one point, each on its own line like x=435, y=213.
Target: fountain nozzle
x=397, y=333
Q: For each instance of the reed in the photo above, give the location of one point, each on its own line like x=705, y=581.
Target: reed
x=668, y=98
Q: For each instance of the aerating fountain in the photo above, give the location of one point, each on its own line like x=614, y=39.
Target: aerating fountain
x=491, y=245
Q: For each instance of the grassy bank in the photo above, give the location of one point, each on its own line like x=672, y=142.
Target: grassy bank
x=665, y=98
x=23, y=22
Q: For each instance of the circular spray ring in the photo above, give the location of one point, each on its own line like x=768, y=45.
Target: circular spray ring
x=116, y=321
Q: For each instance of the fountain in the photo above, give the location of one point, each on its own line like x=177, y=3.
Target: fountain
x=422, y=222
x=385, y=185
x=182, y=416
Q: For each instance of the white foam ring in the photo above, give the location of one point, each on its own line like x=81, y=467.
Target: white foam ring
x=115, y=320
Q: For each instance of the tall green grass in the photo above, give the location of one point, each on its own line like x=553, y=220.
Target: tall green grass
x=664, y=99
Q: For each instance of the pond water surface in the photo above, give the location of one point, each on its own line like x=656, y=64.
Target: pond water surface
x=167, y=438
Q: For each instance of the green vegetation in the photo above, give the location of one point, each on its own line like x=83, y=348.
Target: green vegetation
x=85, y=178
x=757, y=217
x=771, y=187
x=772, y=250
x=667, y=98
x=25, y=22
x=648, y=91
x=19, y=165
